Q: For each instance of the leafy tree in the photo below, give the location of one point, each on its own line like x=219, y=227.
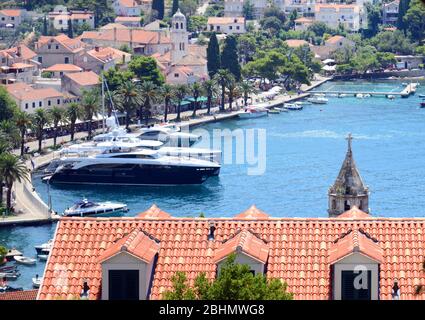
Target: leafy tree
x=374, y=18
x=90, y=106
x=213, y=55
x=403, y=6
x=209, y=87
x=180, y=93
x=57, y=115
x=319, y=28
x=129, y=99
x=247, y=46
x=125, y=48
x=229, y=57
x=246, y=88
x=365, y=59
x=23, y=122
x=12, y=169
x=234, y=282
x=114, y=77
x=149, y=95
x=274, y=11
x=158, y=6
x=167, y=94
x=272, y=24
x=188, y=7
x=292, y=17
x=392, y=41
x=45, y=26
x=72, y=113
x=386, y=59
x=10, y=132
x=146, y=69
x=175, y=7
x=41, y=119
x=8, y=107
x=3, y=252
x=232, y=91
x=248, y=10
x=195, y=91
x=196, y=23
x=415, y=20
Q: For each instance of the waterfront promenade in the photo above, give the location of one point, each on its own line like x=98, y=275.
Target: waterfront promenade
x=30, y=209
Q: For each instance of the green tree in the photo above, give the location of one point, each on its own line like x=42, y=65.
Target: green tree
x=149, y=95
x=158, y=6
x=70, y=29
x=292, y=17
x=114, y=77
x=41, y=119
x=319, y=28
x=374, y=18
x=210, y=90
x=247, y=46
x=195, y=91
x=248, y=10
x=8, y=107
x=146, y=69
x=128, y=97
x=213, y=55
x=57, y=115
x=23, y=122
x=167, y=94
x=415, y=20
x=175, y=7
x=246, y=88
x=229, y=57
x=403, y=6
x=3, y=252
x=232, y=91
x=90, y=106
x=72, y=113
x=180, y=93
x=196, y=23
x=222, y=78
x=365, y=59
x=233, y=282
x=10, y=131
x=386, y=59
x=12, y=169
x=392, y=41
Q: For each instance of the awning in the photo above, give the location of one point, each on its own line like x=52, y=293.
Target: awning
x=21, y=65
x=200, y=99
x=329, y=68
x=185, y=102
x=328, y=61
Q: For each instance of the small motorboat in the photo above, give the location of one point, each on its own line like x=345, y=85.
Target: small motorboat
x=8, y=269
x=422, y=96
x=85, y=208
x=43, y=257
x=43, y=246
x=359, y=96
x=4, y=289
x=12, y=253
x=274, y=111
x=367, y=95
x=342, y=95
x=253, y=112
x=391, y=97
x=12, y=275
x=318, y=99
x=36, y=281
x=280, y=109
x=293, y=106
x=25, y=260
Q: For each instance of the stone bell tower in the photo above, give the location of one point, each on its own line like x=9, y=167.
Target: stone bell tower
x=348, y=190
x=179, y=37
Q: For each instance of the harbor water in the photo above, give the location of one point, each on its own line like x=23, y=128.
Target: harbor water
x=304, y=152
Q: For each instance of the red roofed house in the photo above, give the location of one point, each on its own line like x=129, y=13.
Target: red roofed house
x=127, y=8
x=60, y=16
x=58, y=70
x=131, y=22
x=352, y=255
x=10, y=19
x=102, y=59
x=302, y=24
x=76, y=83
x=227, y=25
x=17, y=65
x=57, y=50
x=19, y=295
x=295, y=43
x=331, y=45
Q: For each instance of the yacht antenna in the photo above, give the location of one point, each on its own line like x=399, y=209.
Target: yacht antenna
x=114, y=111
x=103, y=104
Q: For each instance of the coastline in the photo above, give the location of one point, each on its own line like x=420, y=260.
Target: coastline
x=31, y=209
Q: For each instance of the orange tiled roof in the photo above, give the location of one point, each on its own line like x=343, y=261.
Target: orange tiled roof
x=355, y=241
x=225, y=20
x=26, y=53
x=298, y=251
x=335, y=39
x=293, y=43
x=252, y=213
x=136, y=243
x=11, y=12
x=304, y=20
x=19, y=295
x=25, y=92
x=108, y=53
x=124, y=35
x=337, y=7
x=73, y=45
x=128, y=3
x=127, y=19
x=245, y=241
x=63, y=67
x=154, y=213
x=87, y=78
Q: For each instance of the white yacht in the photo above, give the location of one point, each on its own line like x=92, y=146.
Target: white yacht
x=128, y=167
x=86, y=208
x=170, y=135
x=318, y=99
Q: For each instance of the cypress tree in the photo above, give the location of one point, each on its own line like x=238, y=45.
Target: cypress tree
x=213, y=55
x=229, y=57
x=45, y=26
x=158, y=6
x=402, y=9
x=70, y=29
x=175, y=7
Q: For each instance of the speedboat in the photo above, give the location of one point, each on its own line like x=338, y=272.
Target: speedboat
x=317, y=99
x=129, y=167
x=253, y=112
x=274, y=111
x=359, y=96
x=36, y=281
x=25, y=260
x=41, y=247
x=391, y=97
x=4, y=289
x=342, y=95
x=280, y=109
x=86, y=208
x=10, y=275
x=43, y=257
x=293, y=106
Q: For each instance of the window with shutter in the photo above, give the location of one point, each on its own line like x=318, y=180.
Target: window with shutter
x=348, y=289
x=123, y=284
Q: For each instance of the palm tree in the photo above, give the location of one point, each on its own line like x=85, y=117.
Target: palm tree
x=90, y=107
x=209, y=87
x=181, y=92
x=149, y=94
x=11, y=132
x=128, y=98
x=72, y=113
x=57, y=115
x=222, y=77
x=167, y=93
x=23, y=122
x=232, y=92
x=195, y=90
x=246, y=88
x=12, y=169
x=41, y=119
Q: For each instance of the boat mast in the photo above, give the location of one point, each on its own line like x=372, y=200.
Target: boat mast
x=103, y=104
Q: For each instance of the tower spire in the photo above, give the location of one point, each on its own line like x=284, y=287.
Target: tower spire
x=348, y=190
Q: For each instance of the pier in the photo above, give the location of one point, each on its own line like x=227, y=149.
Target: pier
x=405, y=93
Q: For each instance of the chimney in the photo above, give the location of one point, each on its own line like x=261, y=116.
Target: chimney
x=211, y=232
x=18, y=51
x=96, y=48
x=115, y=34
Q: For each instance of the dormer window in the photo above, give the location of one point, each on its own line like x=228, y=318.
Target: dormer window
x=127, y=267
x=249, y=248
x=355, y=258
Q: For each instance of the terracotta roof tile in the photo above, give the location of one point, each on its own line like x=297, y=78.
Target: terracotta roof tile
x=298, y=251
x=294, y=43
x=252, y=213
x=154, y=213
x=11, y=12
x=63, y=67
x=19, y=295
x=87, y=78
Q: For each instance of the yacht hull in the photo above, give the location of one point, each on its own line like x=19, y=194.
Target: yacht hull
x=134, y=175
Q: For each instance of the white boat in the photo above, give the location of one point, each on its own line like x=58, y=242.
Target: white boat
x=43, y=257
x=367, y=95
x=391, y=97
x=293, y=106
x=252, y=112
x=316, y=99
x=359, y=96
x=196, y=153
x=167, y=135
x=43, y=246
x=85, y=208
x=36, y=281
x=342, y=95
x=25, y=260
x=280, y=109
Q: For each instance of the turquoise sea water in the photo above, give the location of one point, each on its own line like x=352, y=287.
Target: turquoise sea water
x=304, y=153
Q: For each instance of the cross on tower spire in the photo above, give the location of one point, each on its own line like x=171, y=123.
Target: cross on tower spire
x=349, y=139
